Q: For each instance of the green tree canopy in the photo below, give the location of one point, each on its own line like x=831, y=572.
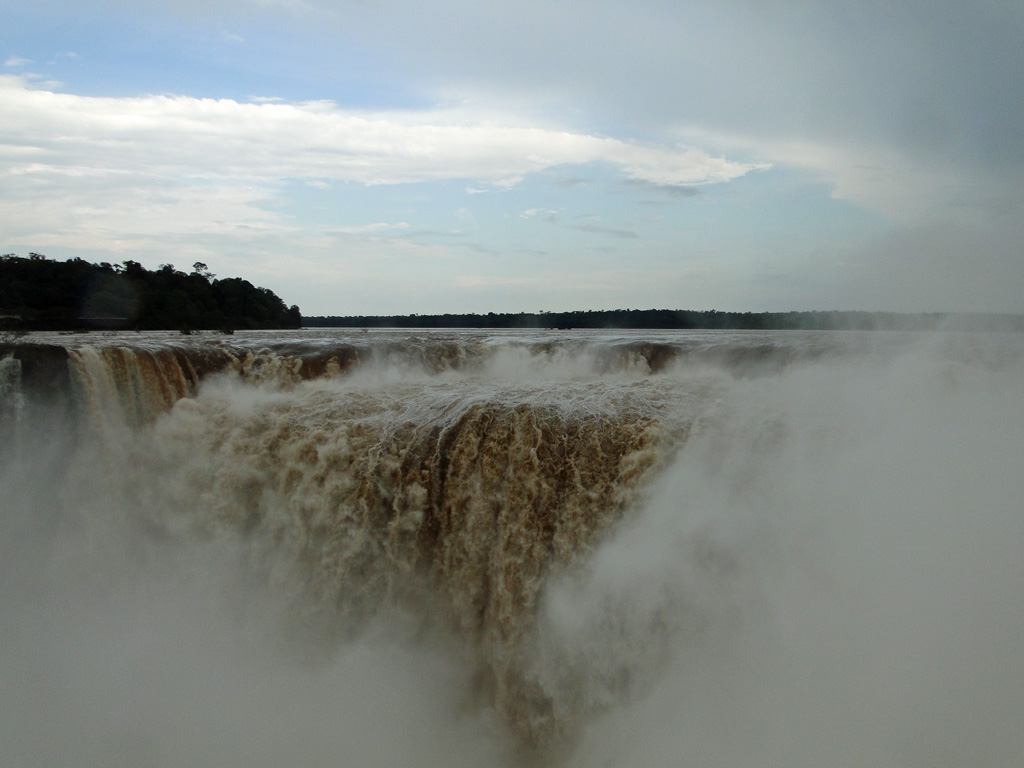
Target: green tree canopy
x=39, y=293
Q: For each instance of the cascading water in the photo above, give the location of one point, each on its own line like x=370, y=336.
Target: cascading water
x=466, y=548
x=11, y=399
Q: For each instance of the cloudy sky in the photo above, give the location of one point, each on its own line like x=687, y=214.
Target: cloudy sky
x=400, y=156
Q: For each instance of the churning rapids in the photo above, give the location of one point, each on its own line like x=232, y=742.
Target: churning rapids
x=549, y=548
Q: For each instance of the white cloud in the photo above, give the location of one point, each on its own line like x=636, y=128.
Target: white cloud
x=17, y=61
x=165, y=175
x=362, y=229
x=183, y=137
x=107, y=212
x=884, y=179
x=534, y=212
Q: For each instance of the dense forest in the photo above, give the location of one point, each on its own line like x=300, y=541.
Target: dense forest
x=677, y=319
x=37, y=293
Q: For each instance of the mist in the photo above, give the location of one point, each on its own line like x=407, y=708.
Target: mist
x=822, y=568
x=868, y=603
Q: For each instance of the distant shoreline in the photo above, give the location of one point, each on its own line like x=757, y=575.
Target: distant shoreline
x=666, y=319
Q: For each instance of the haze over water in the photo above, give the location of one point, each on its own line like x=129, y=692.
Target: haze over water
x=523, y=548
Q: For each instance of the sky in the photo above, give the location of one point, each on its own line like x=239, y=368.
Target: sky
x=405, y=156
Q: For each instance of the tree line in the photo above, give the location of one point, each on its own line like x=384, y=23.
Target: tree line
x=37, y=293
x=680, y=319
